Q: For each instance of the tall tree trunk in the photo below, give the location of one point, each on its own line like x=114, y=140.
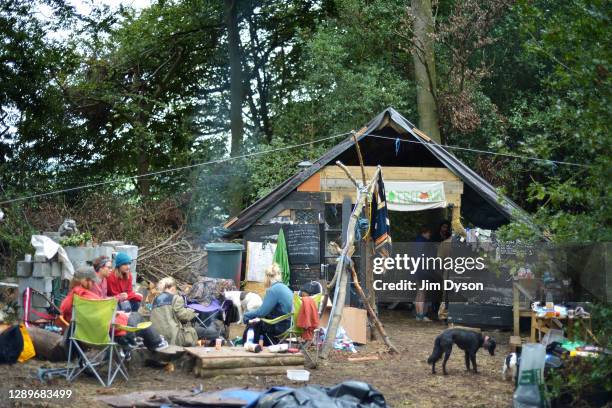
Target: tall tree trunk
x=143, y=183
x=237, y=97
x=424, y=68
x=236, y=89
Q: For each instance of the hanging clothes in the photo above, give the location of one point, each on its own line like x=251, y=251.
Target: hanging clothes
x=281, y=257
x=379, y=220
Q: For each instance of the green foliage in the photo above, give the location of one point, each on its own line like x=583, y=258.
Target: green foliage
x=77, y=239
x=569, y=119
x=269, y=170
x=131, y=93
x=581, y=378
x=15, y=233
x=354, y=68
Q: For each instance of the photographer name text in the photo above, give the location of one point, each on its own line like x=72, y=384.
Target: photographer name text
x=447, y=284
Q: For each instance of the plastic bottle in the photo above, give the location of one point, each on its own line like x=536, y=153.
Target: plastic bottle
x=250, y=337
x=549, y=301
x=261, y=341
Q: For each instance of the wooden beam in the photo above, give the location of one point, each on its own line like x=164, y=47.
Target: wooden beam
x=332, y=184
x=396, y=173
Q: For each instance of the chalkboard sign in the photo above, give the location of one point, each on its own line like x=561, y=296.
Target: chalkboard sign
x=303, y=243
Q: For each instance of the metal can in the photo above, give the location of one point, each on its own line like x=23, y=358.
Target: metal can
x=218, y=343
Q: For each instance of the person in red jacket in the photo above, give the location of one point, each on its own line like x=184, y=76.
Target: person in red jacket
x=119, y=283
x=82, y=284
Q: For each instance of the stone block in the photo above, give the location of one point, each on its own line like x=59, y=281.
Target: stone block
x=41, y=269
x=113, y=244
x=56, y=269
x=78, y=255
x=24, y=269
x=103, y=251
x=44, y=285
x=40, y=258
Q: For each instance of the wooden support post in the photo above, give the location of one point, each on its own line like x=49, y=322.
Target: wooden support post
x=371, y=312
x=516, y=310
x=341, y=275
x=369, y=244
x=363, y=173
x=369, y=279
x=341, y=278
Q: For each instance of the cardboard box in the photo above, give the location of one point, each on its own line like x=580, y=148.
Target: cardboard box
x=354, y=321
x=255, y=287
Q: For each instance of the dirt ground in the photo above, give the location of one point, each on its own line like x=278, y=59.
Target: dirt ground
x=405, y=380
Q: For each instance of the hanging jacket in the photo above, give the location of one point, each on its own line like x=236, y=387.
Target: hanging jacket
x=308, y=317
x=173, y=320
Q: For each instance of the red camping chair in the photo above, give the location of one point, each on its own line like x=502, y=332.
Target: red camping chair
x=32, y=317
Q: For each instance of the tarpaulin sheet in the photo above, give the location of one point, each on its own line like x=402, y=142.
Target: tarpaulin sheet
x=348, y=394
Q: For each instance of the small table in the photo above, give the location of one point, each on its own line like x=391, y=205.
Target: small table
x=541, y=325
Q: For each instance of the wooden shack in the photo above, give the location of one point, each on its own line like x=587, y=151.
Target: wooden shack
x=312, y=207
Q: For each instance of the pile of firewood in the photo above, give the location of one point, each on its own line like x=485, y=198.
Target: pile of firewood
x=173, y=256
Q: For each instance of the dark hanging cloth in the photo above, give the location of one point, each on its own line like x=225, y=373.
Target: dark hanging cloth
x=11, y=345
x=379, y=219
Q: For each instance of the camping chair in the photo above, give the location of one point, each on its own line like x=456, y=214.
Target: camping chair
x=94, y=325
x=294, y=333
x=213, y=311
x=40, y=319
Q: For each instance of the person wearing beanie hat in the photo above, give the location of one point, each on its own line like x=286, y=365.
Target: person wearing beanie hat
x=84, y=279
x=119, y=283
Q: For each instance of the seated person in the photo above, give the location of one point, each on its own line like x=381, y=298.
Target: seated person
x=277, y=302
x=119, y=283
x=310, y=289
x=82, y=284
x=174, y=320
x=103, y=267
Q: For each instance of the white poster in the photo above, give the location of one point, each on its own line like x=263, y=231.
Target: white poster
x=414, y=195
x=259, y=257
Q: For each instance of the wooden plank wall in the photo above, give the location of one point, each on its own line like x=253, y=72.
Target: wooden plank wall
x=335, y=182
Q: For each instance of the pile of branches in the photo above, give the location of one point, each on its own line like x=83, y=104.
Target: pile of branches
x=158, y=228
x=173, y=256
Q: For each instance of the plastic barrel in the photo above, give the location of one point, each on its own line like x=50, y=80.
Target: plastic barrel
x=224, y=260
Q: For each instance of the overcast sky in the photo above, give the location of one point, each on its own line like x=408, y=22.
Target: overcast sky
x=84, y=6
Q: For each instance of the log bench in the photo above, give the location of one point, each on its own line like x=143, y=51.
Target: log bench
x=237, y=361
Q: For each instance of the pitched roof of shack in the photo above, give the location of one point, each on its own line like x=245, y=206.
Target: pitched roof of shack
x=389, y=116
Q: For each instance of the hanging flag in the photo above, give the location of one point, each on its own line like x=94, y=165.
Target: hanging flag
x=381, y=231
x=281, y=257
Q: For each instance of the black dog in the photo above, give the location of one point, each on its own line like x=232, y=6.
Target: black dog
x=467, y=340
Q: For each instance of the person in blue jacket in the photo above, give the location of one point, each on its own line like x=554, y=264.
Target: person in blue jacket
x=277, y=302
